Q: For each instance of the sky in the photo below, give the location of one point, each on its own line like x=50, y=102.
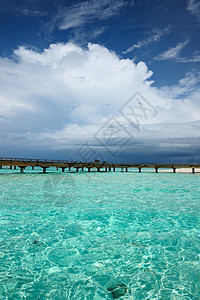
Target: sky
x=111, y=80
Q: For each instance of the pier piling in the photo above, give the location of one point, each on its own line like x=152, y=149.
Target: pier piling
x=22, y=169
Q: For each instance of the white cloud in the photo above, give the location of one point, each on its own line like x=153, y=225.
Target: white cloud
x=88, y=11
x=60, y=97
x=187, y=85
x=34, y=13
x=97, y=32
x=194, y=7
x=172, y=53
x=157, y=35
x=52, y=84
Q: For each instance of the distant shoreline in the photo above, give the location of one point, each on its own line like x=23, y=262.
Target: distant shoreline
x=180, y=170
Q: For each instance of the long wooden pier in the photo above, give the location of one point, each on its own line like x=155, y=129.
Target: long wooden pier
x=98, y=166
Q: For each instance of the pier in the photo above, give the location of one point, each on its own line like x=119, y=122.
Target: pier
x=64, y=165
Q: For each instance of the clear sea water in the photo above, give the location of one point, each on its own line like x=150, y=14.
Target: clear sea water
x=75, y=235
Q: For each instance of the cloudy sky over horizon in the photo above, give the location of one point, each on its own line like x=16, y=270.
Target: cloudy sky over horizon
x=116, y=80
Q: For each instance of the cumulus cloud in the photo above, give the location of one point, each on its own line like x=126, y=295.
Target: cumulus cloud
x=53, y=84
x=63, y=96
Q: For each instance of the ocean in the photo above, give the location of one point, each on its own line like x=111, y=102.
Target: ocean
x=99, y=235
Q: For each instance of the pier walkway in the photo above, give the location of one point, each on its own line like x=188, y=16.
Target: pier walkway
x=98, y=166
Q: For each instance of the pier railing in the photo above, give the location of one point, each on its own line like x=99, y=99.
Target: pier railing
x=31, y=159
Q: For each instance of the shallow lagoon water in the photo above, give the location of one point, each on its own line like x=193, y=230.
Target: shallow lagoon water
x=74, y=235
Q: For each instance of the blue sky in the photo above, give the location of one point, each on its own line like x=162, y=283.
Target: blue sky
x=112, y=79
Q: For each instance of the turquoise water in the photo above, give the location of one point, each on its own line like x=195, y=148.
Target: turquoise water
x=74, y=236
